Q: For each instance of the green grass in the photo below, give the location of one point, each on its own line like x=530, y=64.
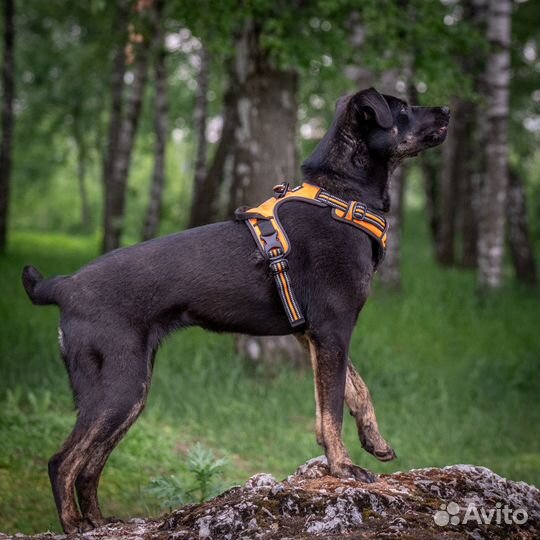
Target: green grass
x=454, y=378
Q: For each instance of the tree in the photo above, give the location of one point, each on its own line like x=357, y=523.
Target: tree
x=493, y=192
x=265, y=139
x=263, y=150
x=394, y=82
x=456, y=193
x=117, y=91
x=116, y=182
x=82, y=158
x=155, y=202
x=468, y=183
x=524, y=143
x=390, y=270
x=8, y=89
x=63, y=58
x=471, y=152
x=518, y=231
x=200, y=208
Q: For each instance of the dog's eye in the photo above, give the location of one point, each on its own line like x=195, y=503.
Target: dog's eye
x=403, y=115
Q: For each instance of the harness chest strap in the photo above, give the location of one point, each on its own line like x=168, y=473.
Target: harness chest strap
x=271, y=238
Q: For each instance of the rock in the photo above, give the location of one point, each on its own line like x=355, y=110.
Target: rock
x=261, y=480
x=455, y=502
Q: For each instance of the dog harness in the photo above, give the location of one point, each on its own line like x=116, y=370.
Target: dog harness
x=272, y=241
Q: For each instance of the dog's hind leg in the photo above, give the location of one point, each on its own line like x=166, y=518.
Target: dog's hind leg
x=88, y=480
x=329, y=357
x=110, y=388
x=359, y=402
x=65, y=465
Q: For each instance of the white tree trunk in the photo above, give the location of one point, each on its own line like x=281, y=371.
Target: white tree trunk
x=493, y=195
x=127, y=130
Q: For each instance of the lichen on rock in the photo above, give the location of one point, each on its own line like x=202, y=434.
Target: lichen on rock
x=455, y=502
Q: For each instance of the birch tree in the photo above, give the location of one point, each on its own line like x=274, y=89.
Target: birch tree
x=493, y=194
x=116, y=183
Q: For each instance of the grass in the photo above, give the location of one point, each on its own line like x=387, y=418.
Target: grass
x=454, y=378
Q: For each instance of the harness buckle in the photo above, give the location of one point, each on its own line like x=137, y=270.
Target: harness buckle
x=280, y=189
x=271, y=242
x=360, y=211
x=279, y=265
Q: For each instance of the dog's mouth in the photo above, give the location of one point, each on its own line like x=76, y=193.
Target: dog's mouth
x=437, y=136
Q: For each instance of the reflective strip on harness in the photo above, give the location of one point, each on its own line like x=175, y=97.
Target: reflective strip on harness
x=271, y=238
x=280, y=267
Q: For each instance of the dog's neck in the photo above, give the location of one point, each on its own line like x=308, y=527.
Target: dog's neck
x=368, y=185
x=343, y=165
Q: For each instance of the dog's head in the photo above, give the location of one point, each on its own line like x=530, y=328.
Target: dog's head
x=370, y=128
x=393, y=129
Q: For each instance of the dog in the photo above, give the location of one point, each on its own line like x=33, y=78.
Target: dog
x=115, y=311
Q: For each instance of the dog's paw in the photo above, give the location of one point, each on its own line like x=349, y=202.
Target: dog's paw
x=77, y=526
x=382, y=452
x=351, y=471
x=376, y=446
x=387, y=455
x=103, y=521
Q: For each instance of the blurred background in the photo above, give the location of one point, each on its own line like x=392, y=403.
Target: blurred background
x=130, y=119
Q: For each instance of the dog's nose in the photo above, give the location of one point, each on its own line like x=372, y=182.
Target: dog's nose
x=445, y=110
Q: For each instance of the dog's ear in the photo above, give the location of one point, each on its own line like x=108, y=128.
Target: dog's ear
x=369, y=104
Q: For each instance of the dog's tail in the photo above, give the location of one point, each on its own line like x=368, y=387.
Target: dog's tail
x=41, y=291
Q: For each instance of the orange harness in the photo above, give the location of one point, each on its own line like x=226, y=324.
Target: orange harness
x=271, y=238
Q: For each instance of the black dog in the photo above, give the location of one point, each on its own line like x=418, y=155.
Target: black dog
x=117, y=309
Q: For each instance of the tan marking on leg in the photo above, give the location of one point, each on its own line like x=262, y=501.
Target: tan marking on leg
x=318, y=418
x=329, y=421
x=88, y=501
x=69, y=468
x=304, y=341
x=328, y=427
x=359, y=402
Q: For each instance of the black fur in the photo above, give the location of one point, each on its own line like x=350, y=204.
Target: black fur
x=115, y=310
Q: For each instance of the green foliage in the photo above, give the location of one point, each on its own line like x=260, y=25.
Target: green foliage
x=206, y=469
x=170, y=491
x=199, y=485
x=64, y=63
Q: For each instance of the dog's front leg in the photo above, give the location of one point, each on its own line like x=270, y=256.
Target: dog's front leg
x=329, y=358
x=305, y=342
x=359, y=402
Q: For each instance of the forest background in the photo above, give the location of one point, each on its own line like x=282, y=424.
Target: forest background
x=130, y=119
